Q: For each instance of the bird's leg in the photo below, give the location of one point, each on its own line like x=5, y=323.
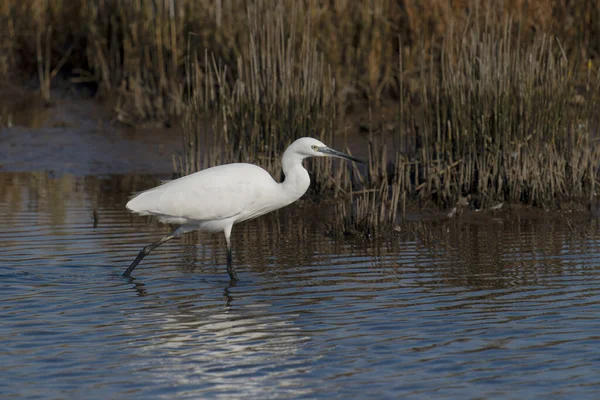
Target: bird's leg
x=230, y=270
x=146, y=250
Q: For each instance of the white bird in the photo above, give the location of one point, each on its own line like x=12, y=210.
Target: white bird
x=216, y=198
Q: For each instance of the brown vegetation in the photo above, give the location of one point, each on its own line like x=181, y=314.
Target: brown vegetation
x=495, y=100
x=492, y=120
x=138, y=49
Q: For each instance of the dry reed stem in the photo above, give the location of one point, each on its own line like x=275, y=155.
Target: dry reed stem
x=488, y=106
x=136, y=49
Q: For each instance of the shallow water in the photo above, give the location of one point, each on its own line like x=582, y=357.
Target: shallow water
x=504, y=307
x=76, y=136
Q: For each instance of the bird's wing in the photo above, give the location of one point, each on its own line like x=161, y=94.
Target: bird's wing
x=215, y=193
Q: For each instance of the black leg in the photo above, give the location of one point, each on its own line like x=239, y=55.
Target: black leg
x=146, y=250
x=230, y=270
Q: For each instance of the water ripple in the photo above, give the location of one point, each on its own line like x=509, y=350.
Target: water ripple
x=457, y=311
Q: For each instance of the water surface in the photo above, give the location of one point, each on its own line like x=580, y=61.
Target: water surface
x=502, y=307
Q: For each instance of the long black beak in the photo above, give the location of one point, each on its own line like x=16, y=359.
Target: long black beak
x=335, y=153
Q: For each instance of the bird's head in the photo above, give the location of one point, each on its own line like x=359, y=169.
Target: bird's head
x=309, y=147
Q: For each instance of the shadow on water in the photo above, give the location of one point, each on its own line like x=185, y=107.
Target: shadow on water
x=500, y=306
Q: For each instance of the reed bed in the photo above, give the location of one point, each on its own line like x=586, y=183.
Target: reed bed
x=135, y=51
x=493, y=121
x=282, y=90
x=490, y=107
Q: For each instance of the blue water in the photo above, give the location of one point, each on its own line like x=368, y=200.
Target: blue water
x=504, y=307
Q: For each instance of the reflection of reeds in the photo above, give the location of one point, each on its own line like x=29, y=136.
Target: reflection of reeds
x=501, y=251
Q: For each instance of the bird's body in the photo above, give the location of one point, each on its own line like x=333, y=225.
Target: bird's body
x=216, y=198
x=213, y=198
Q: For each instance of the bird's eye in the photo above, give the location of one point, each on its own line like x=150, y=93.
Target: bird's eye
x=314, y=147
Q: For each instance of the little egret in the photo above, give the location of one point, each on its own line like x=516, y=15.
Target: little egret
x=216, y=198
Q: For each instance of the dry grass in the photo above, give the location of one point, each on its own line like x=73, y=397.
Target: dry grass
x=281, y=91
x=135, y=50
x=496, y=100
x=493, y=120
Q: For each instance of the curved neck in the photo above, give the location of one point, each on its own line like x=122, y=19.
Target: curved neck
x=296, y=180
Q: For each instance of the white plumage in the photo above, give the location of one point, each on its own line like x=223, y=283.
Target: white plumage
x=216, y=198
x=215, y=194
